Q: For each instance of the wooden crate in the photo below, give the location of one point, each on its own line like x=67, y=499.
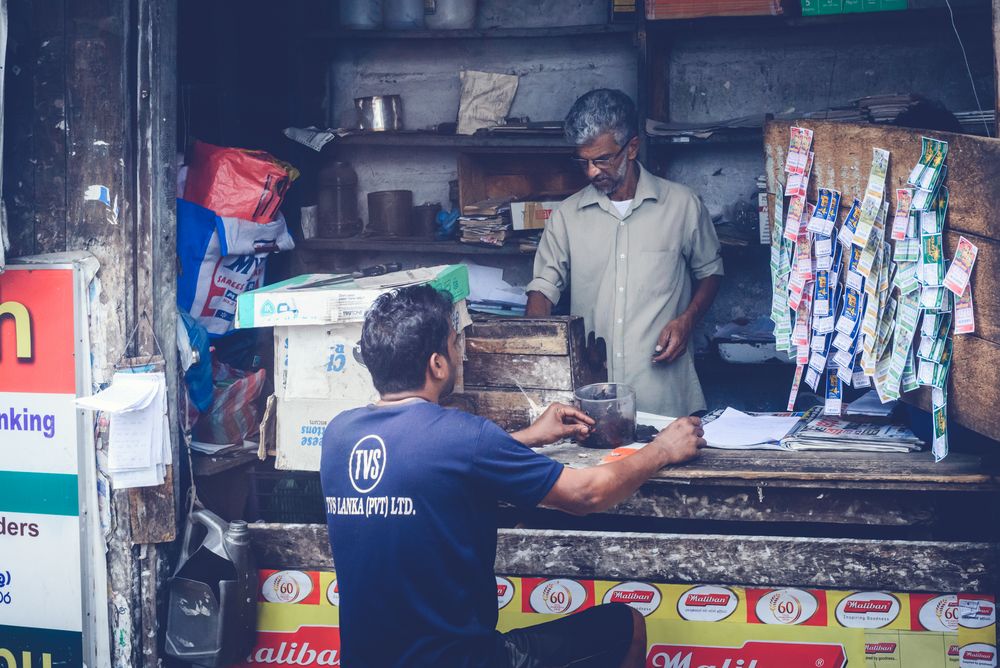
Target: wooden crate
x=542, y=175
x=514, y=362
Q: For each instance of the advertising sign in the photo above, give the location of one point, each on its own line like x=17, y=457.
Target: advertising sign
x=687, y=626
x=53, y=608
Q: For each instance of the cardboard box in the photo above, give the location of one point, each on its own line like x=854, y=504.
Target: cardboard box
x=289, y=303
x=299, y=430
x=531, y=215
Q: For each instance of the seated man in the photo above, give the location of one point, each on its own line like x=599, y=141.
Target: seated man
x=411, y=494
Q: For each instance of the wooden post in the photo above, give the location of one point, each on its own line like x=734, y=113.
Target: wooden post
x=996, y=56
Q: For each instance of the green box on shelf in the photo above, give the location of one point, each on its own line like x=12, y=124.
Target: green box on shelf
x=894, y=5
x=853, y=6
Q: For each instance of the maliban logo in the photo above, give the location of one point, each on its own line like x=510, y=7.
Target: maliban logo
x=643, y=597
x=707, y=604
x=867, y=610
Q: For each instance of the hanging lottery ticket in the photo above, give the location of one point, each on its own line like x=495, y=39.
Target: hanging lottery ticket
x=799, y=143
x=957, y=278
x=834, y=394
x=901, y=219
x=939, y=412
x=965, y=319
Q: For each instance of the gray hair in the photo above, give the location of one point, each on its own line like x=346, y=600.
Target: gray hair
x=599, y=111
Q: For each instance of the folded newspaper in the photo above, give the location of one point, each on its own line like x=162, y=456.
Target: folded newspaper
x=816, y=431
x=824, y=432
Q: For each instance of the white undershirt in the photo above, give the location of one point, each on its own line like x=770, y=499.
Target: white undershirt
x=622, y=206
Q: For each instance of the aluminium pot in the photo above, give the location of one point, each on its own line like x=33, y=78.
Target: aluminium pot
x=379, y=113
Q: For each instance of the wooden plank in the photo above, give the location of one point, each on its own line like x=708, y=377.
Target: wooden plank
x=535, y=372
x=50, y=128
x=509, y=409
x=774, y=466
x=519, y=336
x=742, y=503
x=996, y=53
x=18, y=129
x=154, y=509
x=844, y=155
x=843, y=563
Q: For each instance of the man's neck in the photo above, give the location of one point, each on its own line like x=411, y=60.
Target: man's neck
x=629, y=185
x=394, y=398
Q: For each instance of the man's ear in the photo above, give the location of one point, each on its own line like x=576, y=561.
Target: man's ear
x=438, y=366
x=633, y=148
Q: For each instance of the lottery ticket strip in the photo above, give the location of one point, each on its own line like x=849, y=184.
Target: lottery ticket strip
x=869, y=300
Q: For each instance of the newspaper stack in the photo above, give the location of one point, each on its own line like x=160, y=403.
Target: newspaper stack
x=824, y=432
x=484, y=230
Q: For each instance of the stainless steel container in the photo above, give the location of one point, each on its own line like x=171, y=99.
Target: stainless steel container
x=379, y=113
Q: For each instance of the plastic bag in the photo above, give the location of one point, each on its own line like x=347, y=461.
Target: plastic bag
x=237, y=183
x=235, y=412
x=220, y=259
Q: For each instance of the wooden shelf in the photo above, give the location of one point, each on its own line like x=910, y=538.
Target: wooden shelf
x=407, y=245
x=555, y=143
x=488, y=33
x=719, y=138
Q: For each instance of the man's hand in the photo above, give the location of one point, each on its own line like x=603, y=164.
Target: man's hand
x=673, y=339
x=559, y=421
x=681, y=440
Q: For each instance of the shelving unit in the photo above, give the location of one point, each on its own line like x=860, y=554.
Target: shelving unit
x=487, y=33
x=406, y=245
x=552, y=143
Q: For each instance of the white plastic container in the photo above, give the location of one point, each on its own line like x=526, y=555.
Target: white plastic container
x=452, y=15
x=403, y=14
x=361, y=14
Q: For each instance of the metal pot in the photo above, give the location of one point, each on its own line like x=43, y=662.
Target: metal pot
x=379, y=113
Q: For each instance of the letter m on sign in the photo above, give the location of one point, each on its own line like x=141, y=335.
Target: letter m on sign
x=22, y=327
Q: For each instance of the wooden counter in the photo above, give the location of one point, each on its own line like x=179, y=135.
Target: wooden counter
x=839, y=490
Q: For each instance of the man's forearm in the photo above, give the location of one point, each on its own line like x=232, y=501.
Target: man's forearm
x=538, y=306
x=704, y=294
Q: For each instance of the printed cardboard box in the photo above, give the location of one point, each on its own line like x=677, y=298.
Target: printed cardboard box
x=531, y=215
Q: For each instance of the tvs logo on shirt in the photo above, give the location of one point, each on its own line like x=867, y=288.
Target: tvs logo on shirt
x=707, y=604
x=643, y=597
x=367, y=463
x=867, y=610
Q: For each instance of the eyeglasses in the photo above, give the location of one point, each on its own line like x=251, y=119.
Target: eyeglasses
x=600, y=163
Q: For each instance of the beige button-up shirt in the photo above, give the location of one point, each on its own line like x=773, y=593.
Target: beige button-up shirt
x=630, y=275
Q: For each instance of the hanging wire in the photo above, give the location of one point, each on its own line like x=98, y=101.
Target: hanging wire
x=968, y=69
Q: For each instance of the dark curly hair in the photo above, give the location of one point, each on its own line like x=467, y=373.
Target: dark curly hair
x=402, y=329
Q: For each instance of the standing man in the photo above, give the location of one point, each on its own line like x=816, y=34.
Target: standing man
x=411, y=496
x=628, y=246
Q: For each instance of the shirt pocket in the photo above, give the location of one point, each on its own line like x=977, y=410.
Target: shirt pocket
x=655, y=272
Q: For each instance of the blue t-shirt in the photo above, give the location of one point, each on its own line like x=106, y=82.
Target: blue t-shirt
x=411, y=498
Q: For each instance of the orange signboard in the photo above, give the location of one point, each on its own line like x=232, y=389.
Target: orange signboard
x=36, y=332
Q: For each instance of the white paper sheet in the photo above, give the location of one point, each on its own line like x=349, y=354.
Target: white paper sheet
x=735, y=429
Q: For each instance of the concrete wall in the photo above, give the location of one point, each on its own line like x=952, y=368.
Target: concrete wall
x=553, y=73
